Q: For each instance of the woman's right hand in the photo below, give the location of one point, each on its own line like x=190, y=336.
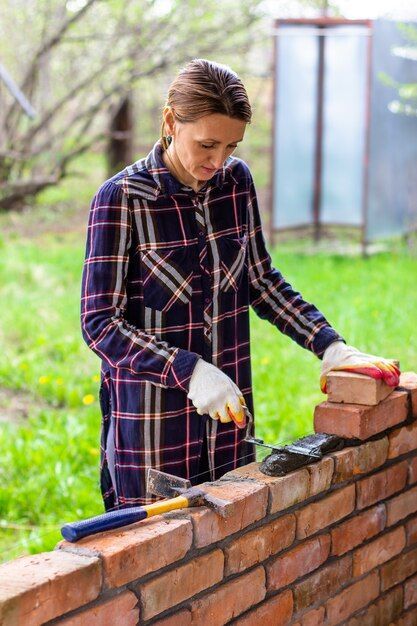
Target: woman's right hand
x=213, y=392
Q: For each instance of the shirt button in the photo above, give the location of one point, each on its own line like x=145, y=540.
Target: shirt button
x=207, y=300
x=200, y=233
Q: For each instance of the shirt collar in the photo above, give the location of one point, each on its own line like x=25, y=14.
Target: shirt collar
x=167, y=183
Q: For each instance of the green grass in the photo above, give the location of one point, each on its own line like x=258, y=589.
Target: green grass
x=49, y=468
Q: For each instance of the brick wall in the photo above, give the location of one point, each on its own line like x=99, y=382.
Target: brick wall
x=334, y=542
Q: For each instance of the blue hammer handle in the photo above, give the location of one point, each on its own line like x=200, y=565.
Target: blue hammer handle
x=106, y=521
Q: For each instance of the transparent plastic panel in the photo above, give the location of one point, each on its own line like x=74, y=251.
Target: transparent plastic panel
x=344, y=125
x=392, y=203
x=296, y=65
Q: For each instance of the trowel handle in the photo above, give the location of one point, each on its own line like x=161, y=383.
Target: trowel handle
x=73, y=531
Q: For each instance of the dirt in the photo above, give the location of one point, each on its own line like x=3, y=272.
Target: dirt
x=16, y=405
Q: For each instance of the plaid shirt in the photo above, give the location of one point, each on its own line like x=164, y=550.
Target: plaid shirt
x=168, y=277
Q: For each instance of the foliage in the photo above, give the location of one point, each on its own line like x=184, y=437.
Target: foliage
x=49, y=466
x=75, y=61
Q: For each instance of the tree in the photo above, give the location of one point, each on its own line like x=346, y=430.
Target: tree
x=76, y=61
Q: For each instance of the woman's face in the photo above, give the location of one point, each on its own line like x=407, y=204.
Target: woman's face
x=203, y=146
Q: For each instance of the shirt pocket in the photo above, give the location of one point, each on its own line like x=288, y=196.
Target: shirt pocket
x=167, y=276
x=232, y=261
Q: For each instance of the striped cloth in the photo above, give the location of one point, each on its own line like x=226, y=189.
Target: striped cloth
x=168, y=277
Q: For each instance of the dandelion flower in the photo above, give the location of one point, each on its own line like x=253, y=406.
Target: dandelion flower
x=43, y=379
x=88, y=399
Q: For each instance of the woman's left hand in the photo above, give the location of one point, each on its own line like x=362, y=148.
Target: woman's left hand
x=339, y=356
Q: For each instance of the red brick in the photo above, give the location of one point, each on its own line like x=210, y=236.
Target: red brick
x=412, y=470
x=257, y=545
x=358, y=529
x=358, y=420
x=330, y=509
x=410, y=592
x=398, y=569
x=408, y=380
x=381, y=485
x=411, y=531
x=37, y=588
x=321, y=474
x=402, y=440
x=323, y=583
x=229, y=600
x=344, y=462
x=297, y=562
x=121, y=610
x=401, y=506
x=174, y=586
x=378, y=551
x=352, y=599
x=132, y=551
x=383, y=611
x=250, y=500
x=370, y=455
x=285, y=490
x=353, y=388
x=276, y=611
x=407, y=619
x=181, y=618
x=315, y=617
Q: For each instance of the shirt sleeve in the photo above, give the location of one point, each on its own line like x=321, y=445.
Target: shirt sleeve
x=274, y=299
x=103, y=299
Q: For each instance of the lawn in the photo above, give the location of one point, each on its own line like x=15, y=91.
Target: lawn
x=49, y=465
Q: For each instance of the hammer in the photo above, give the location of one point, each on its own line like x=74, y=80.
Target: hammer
x=179, y=491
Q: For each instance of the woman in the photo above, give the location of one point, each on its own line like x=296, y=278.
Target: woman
x=175, y=255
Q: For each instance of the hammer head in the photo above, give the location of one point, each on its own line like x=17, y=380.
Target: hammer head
x=166, y=485
x=169, y=486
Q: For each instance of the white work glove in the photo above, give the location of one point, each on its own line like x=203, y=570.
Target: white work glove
x=339, y=356
x=213, y=392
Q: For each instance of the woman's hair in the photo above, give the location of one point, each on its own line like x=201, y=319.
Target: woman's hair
x=203, y=87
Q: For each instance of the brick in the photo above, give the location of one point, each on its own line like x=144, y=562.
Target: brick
x=398, y=569
x=411, y=531
x=297, y=562
x=330, y=509
x=359, y=421
x=383, y=611
x=381, y=485
x=344, y=462
x=323, y=583
x=352, y=388
x=180, y=618
x=181, y=583
x=410, y=592
x=321, y=474
x=37, y=588
x=378, y=551
x=351, y=599
x=407, y=619
x=412, y=470
x=402, y=440
x=276, y=611
x=229, y=600
x=250, y=503
x=408, y=381
x=401, y=506
x=132, y=551
x=370, y=455
x=257, y=545
x=358, y=529
x=121, y=610
x=285, y=490
x=315, y=617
